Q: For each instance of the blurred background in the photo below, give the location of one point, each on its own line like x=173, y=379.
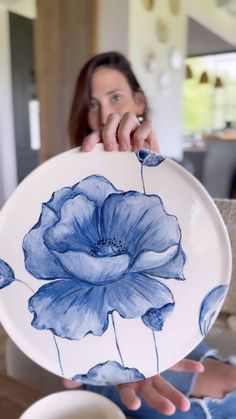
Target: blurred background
x=183, y=52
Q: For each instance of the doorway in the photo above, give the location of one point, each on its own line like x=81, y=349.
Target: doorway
x=23, y=90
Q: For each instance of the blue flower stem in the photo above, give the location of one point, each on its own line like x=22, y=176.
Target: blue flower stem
x=59, y=356
x=144, y=190
x=117, y=343
x=24, y=283
x=57, y=349
x=156, y=351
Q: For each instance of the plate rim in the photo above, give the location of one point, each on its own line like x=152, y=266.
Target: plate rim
x=169, y=162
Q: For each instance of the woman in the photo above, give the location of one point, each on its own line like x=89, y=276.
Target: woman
x=108, y=106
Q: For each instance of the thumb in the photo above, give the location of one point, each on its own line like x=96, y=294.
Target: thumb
x=90, y=141
x=70, y=384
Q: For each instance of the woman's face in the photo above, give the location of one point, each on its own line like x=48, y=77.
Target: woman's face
x=111, y=93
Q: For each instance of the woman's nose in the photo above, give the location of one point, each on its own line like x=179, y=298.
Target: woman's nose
x=104, y=113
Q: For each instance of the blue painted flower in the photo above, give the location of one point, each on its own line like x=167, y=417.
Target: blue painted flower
x=102, y=250
x=209, y=308
x=148, y=158
x=7, y=275
x=155, y=318
x=109, y=373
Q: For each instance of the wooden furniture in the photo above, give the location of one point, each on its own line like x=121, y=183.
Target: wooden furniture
x=229, y=134
x=64, y=41
x=15, y=397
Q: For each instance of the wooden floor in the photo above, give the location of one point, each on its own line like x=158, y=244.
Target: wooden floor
x=3, y=337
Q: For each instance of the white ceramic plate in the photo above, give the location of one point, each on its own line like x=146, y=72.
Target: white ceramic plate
x=74, y=404
x=113, y=266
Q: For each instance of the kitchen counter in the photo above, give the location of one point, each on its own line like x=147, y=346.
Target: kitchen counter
x=227, y=134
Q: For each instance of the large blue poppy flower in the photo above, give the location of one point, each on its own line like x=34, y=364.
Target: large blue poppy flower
x=102, y=249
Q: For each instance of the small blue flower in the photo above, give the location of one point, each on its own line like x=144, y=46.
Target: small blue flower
x=7, y=275
x=102, y=250
x=155, y=318
x=148, y=158
x=109, y=373
x=209, y=308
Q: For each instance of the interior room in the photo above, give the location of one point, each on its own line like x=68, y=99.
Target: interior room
x=185, y=58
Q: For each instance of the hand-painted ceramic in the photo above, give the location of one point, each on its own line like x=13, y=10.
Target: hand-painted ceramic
x=74, y=404
x=113, y=266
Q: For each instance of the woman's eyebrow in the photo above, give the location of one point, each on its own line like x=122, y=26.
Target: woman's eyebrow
x=113, y=91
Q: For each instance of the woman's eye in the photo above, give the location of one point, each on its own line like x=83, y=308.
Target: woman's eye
x=116, y=98
x=93, y=105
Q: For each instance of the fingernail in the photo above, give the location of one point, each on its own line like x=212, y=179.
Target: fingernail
x=110, y=145
x=124, y=147
x=87, y=147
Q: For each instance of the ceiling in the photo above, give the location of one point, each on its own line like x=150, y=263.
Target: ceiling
x=8, y=2
x=227, y=5
x=201, y=41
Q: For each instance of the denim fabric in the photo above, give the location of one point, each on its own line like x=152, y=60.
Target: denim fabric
x=184, y=381
x=213, y=408
x=206, y=408
x=200, y=408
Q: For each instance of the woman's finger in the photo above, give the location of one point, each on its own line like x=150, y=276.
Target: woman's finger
x=141, y=136
x=144, y=137
x=157, y=400
x=125, y=131
x=128, y=125
x=173, y=395
x=133, y=135
x=129, y=397
x=70, y=384
x=90, y=141
x=109, y=132
x=188, y=365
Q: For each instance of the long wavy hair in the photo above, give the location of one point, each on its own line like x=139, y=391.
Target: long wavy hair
x=78, y=120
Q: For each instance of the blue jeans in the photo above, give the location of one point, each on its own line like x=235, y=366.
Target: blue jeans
x=206, y=408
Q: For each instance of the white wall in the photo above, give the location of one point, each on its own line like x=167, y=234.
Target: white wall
x=25, y=8
x=113, y=26
x=166, y=104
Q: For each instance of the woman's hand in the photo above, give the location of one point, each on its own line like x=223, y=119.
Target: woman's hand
x=126, y=132
x=156, y=391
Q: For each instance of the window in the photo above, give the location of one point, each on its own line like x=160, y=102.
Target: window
x=207, y=107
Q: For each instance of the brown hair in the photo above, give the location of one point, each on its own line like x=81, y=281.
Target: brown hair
x=78, y=120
